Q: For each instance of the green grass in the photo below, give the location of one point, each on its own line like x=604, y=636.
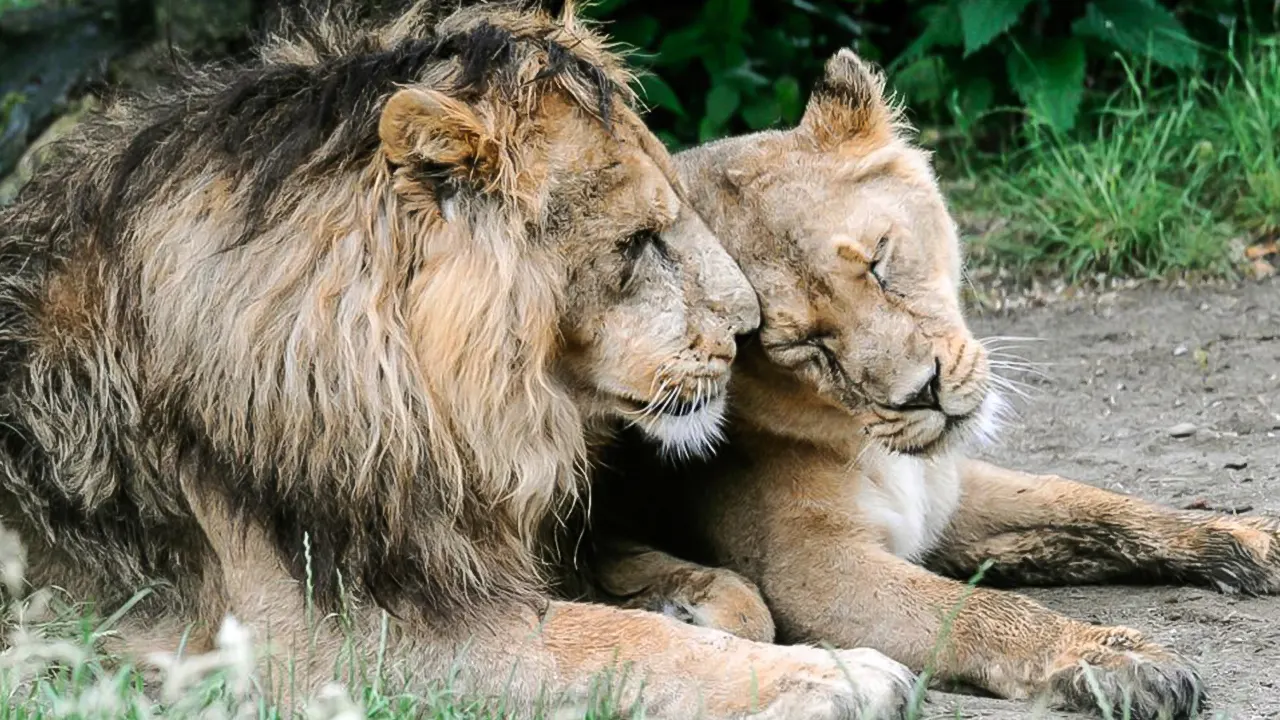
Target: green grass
x=1166, y=182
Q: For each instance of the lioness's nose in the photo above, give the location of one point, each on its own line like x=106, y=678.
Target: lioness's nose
x=927, y=396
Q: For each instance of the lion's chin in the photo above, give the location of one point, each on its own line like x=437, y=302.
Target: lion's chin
x=689, y=435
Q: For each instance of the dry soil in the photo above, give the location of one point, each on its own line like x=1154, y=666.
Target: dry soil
x=1122, y=370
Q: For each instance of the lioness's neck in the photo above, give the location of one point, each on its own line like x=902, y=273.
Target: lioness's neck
x=769, y=401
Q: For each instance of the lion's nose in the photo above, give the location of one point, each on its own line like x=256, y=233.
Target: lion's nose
x=926, y=397
x=718, y=347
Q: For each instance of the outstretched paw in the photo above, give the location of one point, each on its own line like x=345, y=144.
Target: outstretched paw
x=1242, y=554
x=1117, y=673
x=860, y=684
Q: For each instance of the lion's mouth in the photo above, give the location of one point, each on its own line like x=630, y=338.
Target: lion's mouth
x=683, y=428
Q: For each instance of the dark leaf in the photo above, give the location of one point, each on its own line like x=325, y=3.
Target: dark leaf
x=787, y=90
x=941, y=29
x=761, y=113
x=680, y=46
x=637, y=32
x=722, y=102
x=984, y=20
x=1050, y=80
x=1141, y=27
x=656, y=92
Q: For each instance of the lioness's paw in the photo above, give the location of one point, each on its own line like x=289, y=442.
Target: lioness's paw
x=859, y=684
x=1117, y=671
x=1241, y=554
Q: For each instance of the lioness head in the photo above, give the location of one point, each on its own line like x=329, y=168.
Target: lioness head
x=648, y=303
x=841, y=228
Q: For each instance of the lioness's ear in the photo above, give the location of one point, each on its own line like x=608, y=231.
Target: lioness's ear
x=848, y=104
x=427, y=127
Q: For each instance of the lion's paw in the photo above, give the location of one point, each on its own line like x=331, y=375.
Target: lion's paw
x=859, y=684
x=1121, y=672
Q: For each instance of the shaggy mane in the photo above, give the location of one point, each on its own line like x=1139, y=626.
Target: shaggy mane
x=312, y=101
x=220, y=290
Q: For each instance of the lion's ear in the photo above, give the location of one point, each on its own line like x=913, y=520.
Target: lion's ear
x=429, y=128
x=848, y=104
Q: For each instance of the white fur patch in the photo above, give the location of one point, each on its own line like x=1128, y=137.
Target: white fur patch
x=990, y=418
x=692, y=435
x=449, y=209
x=909, y=500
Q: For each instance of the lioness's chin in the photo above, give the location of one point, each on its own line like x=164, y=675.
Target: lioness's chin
x=692, y=434
x=940, y=434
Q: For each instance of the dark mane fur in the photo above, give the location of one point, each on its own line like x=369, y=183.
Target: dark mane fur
x=267, y=121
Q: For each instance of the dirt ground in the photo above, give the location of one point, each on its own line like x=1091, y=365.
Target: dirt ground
x=1125, y=369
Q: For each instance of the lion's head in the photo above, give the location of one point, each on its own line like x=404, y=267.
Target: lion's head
x=841, y=228
x=647, y=302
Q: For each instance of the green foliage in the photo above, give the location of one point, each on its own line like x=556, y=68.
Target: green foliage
x=1166, y=182
x=17, y=5
x=1037, y=53
x=720, y=67
x=8, y=103
x=982, y=21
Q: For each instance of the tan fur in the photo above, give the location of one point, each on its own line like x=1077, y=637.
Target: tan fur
x=830, y=499
x=327, y=342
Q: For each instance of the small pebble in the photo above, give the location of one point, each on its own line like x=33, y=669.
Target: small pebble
x=1180, y=351
x=1182, y=430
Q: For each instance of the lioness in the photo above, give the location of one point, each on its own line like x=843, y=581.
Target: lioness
x=342, y=324
x=845, y=469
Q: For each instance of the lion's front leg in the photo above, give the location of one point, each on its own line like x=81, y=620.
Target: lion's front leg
x=688, y=671
x=642, y=578
x=568, y=658
x=1046, y=530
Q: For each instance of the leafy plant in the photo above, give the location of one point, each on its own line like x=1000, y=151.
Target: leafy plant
x=719, y=67
x=1167, y=180
x=726, y=66
x=1037, y=51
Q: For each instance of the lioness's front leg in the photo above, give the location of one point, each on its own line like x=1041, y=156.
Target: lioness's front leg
x=1046, y=530
x=839, y=587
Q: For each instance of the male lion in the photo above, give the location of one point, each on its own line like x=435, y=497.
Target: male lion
x=343, y=324
x=845, y=468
